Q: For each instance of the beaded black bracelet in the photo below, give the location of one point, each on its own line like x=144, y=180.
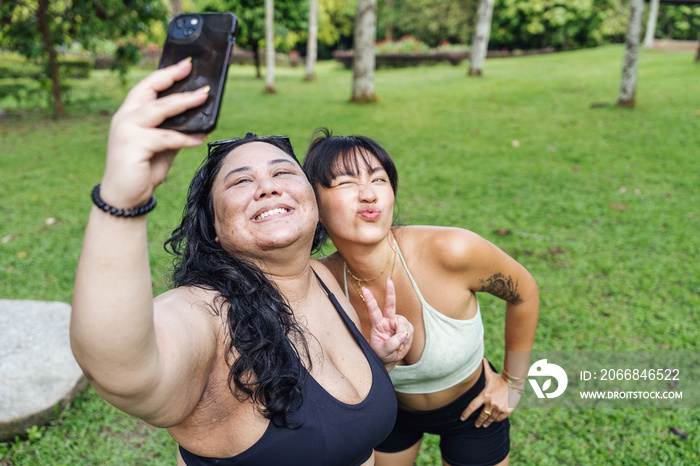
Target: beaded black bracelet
x=135, y=212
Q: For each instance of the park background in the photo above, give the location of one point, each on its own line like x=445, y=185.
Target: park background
x=599, y=202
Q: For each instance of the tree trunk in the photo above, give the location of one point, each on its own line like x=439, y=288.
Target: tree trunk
x=312, y=43
x=389, y=29
x=364, y=60
x=42, y=17
x=651, y=24
x=174, y=7
x=628, y=83
x=697, y=57
x=270, y=47
x=480, y=42
x=256, y=60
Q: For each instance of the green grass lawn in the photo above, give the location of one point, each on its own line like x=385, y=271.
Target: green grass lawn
x=601, y=204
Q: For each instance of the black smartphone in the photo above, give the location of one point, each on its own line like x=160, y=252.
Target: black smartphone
x=207, y=38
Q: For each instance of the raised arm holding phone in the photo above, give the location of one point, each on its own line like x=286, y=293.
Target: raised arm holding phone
x=250, y=358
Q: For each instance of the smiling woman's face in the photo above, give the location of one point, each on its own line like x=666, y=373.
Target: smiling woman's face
x=262, y=201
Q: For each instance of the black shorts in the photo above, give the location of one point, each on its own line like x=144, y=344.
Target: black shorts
x=461, y=443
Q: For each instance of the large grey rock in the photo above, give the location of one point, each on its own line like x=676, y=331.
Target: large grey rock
x=37, y=368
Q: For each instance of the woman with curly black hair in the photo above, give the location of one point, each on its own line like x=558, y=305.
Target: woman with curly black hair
x=250, y=359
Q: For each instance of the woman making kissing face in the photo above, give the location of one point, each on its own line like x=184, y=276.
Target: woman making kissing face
x=358, y=204
x=444, y=385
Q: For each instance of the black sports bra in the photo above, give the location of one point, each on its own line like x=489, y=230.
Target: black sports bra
x=331, y=433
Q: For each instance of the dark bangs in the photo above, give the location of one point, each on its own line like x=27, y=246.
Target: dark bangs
x=331, y=156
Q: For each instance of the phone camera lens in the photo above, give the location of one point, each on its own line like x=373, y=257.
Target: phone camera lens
x=180, y=22
x=189, y=31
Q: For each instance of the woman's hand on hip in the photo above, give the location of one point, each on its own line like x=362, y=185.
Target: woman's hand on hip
x=391, y=335
x=139, y=154
x=492, y=401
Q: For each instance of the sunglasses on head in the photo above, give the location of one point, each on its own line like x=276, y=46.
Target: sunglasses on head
x=250, y=137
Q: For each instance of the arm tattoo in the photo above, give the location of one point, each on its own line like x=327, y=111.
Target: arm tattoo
x=502, y=287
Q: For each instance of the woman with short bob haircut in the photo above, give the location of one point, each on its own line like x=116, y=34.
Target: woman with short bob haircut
x=444, y=385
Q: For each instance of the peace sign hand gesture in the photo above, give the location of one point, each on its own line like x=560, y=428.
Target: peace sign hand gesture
x=391, y=335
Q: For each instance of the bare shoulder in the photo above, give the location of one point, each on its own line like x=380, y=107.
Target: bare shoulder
x=327, y=274
x=191, y=309
x=191, y=314
x=187, y=331
x=328, y=277
x=186, y=297
x=451, y=247
x=456, y=252
x=185, y=347
x=191, y=305
x=334, y=264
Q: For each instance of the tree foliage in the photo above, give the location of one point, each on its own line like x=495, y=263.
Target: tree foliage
x=336, y=22
x=562, y=24
x=85, y=22
x=37, y=28
x=680, y=22
x=432, y=21
x=516, y=24
x=568, y=24
x=291, y=16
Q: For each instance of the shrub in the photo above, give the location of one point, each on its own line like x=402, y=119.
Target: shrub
x=407, y=45
x=445, y=46
x=25, y=83
x=408, y=52
x=680, y=22
x=23, y=90
x=13, y=65
x=532, y=24
x=77, y=67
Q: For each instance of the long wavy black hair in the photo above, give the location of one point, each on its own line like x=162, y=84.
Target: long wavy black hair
x=262, y=330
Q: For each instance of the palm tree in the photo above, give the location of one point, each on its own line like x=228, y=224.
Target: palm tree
x=651, y=24
x=480, y=42
x=628, y=83
x=364, y=60
x=270, y=47
x=312, y=43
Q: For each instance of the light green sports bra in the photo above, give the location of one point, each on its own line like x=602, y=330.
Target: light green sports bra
x=453, y=348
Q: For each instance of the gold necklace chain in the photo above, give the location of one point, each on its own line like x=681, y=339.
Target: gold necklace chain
x=360, y=280
x=359, y=291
